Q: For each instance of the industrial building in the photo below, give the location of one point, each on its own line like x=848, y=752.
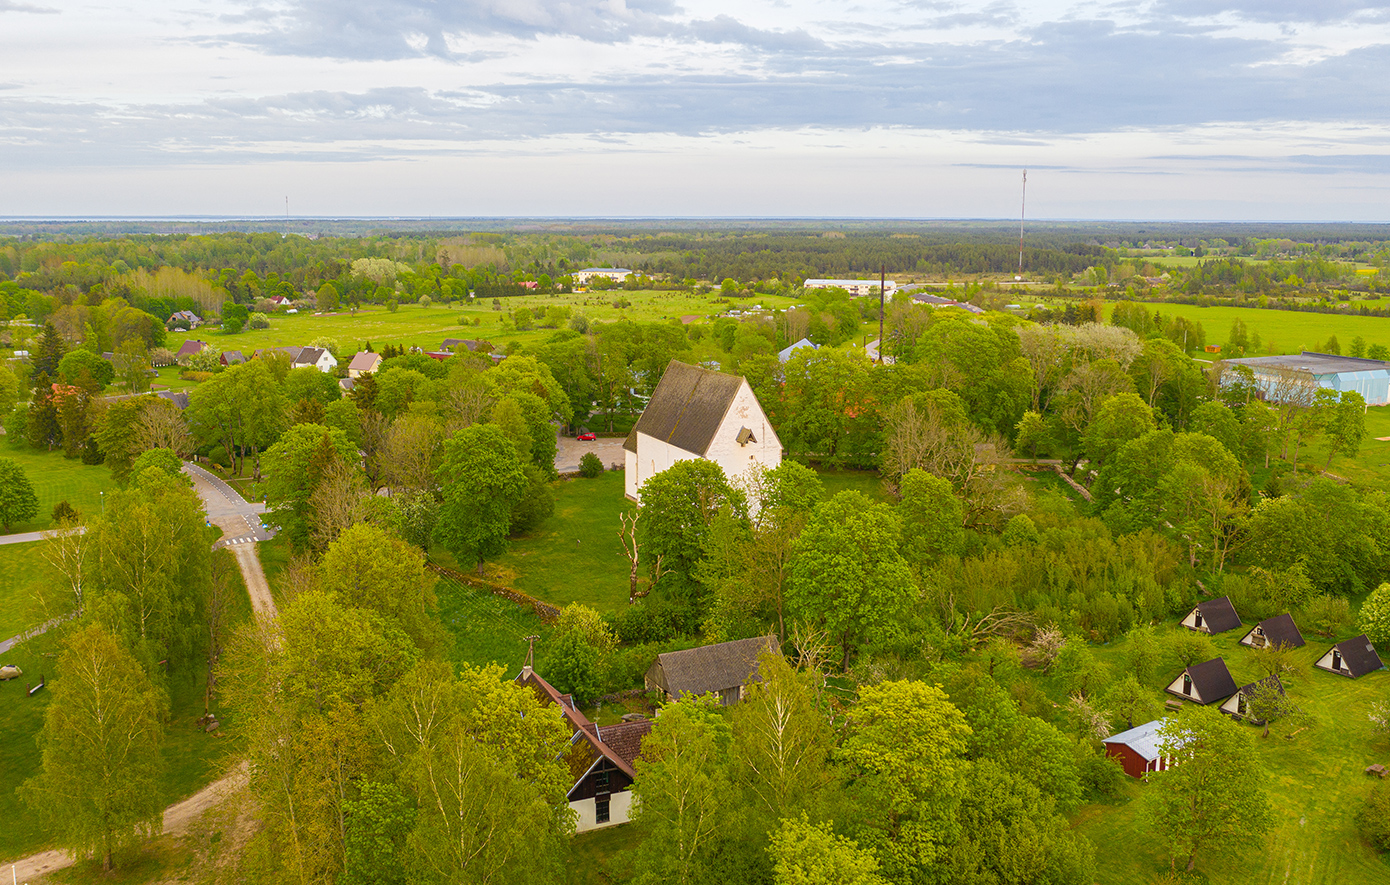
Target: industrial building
x=1277, y=377
x=854, y=287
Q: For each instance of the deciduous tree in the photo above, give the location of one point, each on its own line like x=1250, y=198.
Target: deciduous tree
x=482, y=481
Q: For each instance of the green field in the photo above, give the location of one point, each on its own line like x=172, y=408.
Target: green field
x=427, y=327
x=22, y=570
x=55, y=479
x=1282, y=331
x=487, y=629
x=1315, y=782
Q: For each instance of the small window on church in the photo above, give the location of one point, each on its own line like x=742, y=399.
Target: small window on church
x=745, y=436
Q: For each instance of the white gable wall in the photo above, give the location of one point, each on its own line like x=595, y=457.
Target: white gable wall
x=1177, y=688
x=1325, y=663
x=1190, y=622
x=619, y=812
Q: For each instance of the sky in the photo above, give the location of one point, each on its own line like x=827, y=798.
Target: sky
x=1163, y=110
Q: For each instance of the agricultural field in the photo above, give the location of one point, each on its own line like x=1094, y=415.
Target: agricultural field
x=1316, y=784
x=426, y=327
x=56, y=478
x=1282, y=331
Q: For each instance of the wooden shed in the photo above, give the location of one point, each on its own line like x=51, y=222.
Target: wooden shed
x=1137, y=749
x=722, y=669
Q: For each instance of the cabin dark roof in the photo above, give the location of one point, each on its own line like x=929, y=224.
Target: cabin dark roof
x=179, y=399
x=1359, y=655
x=1279, y=630
x=687, y=407
x=1219, y=614
x=710, y=668
x=190, y=347
x=1271, y=679
x=1212, y=680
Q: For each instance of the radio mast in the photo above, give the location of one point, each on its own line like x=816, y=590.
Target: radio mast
x=1022, y=211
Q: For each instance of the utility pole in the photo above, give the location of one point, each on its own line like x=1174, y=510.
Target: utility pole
x=882, y=283
x=287, y=213
x=1022, y=212
x=530, y=649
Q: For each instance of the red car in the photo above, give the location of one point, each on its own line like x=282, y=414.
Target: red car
x=587, y=437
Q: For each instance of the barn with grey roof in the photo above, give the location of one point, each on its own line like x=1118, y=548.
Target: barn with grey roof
x=723, y=670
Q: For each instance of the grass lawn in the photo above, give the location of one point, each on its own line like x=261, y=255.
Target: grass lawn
x=22, y=568
x=601, y=856
x=867, y=481
x=575, y=555
x=1371, y=466
x=55, y=479
x=487, y=629
x=1316, y=786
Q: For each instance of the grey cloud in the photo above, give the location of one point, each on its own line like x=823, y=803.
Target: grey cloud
x=725, y=29
x=1278, y=10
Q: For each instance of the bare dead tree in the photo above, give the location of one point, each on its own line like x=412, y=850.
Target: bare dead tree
x=627, y=535
x=162, y=426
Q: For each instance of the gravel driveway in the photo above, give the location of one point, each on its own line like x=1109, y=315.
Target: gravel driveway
x=569, y=450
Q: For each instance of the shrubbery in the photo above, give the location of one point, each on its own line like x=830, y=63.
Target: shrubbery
x=590, y=466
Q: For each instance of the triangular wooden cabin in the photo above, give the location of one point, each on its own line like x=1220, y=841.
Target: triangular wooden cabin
x=1204, y=683
x=1280, y=630
x=1235, y=704
x=1213, y=616
x=1354, y=657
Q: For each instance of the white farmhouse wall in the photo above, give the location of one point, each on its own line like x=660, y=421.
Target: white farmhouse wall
x=326, y=363
x=630, y=483
x=619, y=812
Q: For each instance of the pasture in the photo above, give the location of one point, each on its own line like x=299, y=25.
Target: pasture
x=56, y=478
x=1281, y=331
x=1315, y=784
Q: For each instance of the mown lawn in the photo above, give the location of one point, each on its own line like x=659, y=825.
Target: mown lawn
x=55, y=479
x=22, y=570
x=1282, y=331
x=1315, y=782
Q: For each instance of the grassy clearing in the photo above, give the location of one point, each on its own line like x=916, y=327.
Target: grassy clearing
x=575, y=555
x=487, y=629
x=1371, y=466
x=1316, y=785
x=601, y=856
x=22, y=570
x=55, y=479
x=1282, y=331
x=866, y=481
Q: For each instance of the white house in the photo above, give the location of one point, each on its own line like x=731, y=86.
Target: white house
x=853, y=287
x=699, y=413
x=616, y=274
x=317, y=357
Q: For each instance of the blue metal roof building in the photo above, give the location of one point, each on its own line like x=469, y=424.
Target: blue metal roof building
x=1370, y=378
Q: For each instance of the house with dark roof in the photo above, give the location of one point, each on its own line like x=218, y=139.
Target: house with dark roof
x=1213, y=616
x=1204, y=683
x=1137, y=749
x=187, y=349
x=179, y=399
x=1279, y=630
x=1354, y=657
x=724, y=670
x=184, y=319
x=699, y=413
x=232, y=357
x=599, y=758
x=315, y=358
x=1235, y=704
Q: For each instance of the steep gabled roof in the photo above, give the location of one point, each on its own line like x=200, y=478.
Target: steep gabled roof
x=1271, y=679
x=364, y=361
x=581, y=755
x=1212, y=680
x=710, y=668
x=1359, y=655
x=190, y=347
x=1278, y=630
x=307, y=356
x=1219, y=614
x=687, y=407
x=1142, y=739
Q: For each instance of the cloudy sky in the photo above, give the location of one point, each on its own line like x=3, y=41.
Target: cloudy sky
x=1174, y=109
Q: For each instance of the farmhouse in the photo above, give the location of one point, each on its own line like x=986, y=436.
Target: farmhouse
x=187, y=349
x=616, y=274
x=232, y=357
x=1290, y=376
x=699, y=413
x=1354, y=657
x=723, y=670
x=599, y=759
x=1204, y=683
x=1213, y=616
x=184, y=319
x=1137, y=749
x=1235, y=704
x=311, y=357
x=1280, y=630
x=363, y=363
x=853, y=287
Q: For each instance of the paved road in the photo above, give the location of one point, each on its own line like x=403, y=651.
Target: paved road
x=241, y=526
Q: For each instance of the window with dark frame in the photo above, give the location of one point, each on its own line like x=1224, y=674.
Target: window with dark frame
x=601, y=809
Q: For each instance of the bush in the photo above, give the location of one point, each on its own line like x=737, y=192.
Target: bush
x=648, y=621
x=590, y=466
x=195, y=377
x=391, y=305
x=1375, y=616
x=1326, y=615
x=424, y=301
x=63, y=512
x=258, y=321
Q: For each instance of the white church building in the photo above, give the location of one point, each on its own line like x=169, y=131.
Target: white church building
x=699, y=413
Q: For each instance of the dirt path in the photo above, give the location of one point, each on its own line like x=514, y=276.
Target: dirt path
x=177, y=820
x=257, y=587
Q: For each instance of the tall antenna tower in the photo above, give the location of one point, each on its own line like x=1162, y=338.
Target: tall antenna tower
x=1022, y=212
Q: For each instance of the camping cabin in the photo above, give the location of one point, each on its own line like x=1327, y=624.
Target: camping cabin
x=724, y=670
x=1137, y=749
x=1235, y=704
x=599, y=759
x=1280, y=630
x=1204, y=683
x=1355, y=657
x=1213, y=616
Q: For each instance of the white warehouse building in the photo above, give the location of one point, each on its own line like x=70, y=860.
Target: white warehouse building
x=853, y=287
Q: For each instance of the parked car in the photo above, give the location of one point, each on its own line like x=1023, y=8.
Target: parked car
x=587, y=436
